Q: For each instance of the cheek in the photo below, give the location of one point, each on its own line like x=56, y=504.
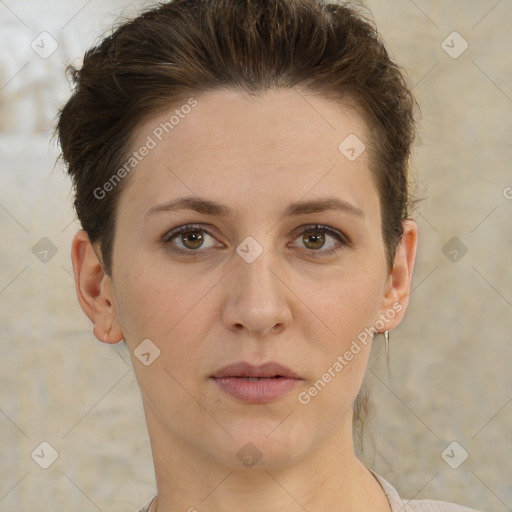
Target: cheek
x=175, y=311
x=346, y=308
x=160, y=307
x=153, y=298
x=346, y=301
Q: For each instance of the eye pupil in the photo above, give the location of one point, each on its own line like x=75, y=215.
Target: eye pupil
x=318, y=240
x=192, y=239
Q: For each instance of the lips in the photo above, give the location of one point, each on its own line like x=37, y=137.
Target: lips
x=256, y=384
x=246, y=370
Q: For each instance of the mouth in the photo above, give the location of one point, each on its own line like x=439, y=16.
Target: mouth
x=255, y=379
x=243, y=370
x=256, y=384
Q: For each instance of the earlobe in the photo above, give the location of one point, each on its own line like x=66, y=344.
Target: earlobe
x=397, y=295
x=94, y=290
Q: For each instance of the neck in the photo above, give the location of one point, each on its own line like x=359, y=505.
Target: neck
x=329, y=479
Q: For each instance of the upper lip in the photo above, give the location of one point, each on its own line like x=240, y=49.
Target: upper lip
x=243, y=369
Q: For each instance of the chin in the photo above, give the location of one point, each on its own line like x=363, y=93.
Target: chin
x=267, y=446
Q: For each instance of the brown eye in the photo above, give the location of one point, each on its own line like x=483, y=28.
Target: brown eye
x=320, y=240
x=192, y=239
x=189, y=240
x=314, y=239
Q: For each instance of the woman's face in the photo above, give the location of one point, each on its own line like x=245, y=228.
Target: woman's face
x=252, y=279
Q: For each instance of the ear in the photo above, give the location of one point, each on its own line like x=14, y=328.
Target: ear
x=396, y=297
x=94, y=290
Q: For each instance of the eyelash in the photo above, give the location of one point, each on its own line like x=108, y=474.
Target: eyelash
x=319, y=228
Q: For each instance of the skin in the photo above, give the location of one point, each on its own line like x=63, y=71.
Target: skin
x=295, y=304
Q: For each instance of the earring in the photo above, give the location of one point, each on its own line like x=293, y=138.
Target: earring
x=386, y=340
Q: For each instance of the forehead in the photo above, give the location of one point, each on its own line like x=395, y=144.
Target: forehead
x=280, y=146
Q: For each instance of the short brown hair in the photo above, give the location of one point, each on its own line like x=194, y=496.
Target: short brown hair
x=186, y=47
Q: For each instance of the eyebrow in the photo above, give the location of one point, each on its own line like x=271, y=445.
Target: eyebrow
x=209, y=207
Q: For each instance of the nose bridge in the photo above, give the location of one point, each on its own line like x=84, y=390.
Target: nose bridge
x=257, y=282
x=256, y=276
x=258, y=299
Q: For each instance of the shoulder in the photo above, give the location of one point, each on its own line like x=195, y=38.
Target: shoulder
x=145, y=508
x=436, y=506
x=399, y=504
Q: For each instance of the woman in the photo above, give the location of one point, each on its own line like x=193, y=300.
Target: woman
x=240, y=171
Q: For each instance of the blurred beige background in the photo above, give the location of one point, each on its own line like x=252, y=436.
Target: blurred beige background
x=449, y=378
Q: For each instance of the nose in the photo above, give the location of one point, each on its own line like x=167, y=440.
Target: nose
x=257, y=299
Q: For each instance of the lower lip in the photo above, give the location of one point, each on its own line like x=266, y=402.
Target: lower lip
x=259, y=391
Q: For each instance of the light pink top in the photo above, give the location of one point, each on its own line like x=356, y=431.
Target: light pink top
x=398, y=504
